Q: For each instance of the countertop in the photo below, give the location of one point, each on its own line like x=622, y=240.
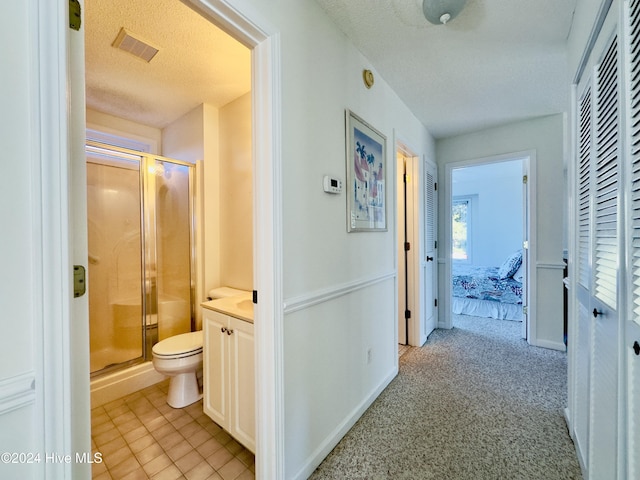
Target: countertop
x=238, y=307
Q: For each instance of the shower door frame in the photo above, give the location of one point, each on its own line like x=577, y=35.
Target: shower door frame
x=148, y=241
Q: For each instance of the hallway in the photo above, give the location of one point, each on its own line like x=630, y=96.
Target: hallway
x=476, y=402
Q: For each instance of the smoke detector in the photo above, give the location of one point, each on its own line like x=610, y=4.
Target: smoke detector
x=133, y=44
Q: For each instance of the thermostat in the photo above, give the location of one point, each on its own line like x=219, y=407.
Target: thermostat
x=332, y=184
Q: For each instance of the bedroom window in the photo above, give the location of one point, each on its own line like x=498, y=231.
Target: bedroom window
x=461, y=228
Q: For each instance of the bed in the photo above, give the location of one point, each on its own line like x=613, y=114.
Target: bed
x=493, y=292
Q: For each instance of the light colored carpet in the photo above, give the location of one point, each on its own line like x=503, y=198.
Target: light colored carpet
x=476, y=402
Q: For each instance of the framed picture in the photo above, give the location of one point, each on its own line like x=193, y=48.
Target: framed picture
x=366, y=177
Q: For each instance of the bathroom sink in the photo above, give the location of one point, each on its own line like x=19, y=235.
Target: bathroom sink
x=240, y=307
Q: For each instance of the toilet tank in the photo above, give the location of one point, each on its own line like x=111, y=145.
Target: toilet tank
x=225, y=292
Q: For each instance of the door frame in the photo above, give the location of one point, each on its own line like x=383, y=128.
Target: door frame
x=409, y=221
x=62, y=123
x=530, y=295
x=416, y=325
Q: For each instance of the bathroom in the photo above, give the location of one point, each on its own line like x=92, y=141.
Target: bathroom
x=170, y=205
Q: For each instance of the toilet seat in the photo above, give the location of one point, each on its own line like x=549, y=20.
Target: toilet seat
x=179, y=346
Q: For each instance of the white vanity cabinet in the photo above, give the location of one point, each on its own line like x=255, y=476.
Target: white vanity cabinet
x=229, y=387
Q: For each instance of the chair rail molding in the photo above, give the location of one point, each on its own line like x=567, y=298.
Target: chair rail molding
x=17, y=392
x=320, y=296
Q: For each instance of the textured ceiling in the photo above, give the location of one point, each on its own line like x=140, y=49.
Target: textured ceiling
x=197, y=62
x=499, y=61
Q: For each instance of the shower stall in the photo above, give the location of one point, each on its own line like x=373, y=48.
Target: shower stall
x=140, y=210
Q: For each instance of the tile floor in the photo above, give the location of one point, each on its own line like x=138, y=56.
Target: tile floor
x=141, y=437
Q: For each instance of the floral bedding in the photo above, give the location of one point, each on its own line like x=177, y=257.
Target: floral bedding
x=484, y=283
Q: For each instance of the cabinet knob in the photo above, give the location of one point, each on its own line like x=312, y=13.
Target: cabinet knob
x=223, y=329
x=229, y=331
x=636, y=347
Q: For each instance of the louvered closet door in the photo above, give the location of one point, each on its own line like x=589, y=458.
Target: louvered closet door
x=605, y=260
x=431, y=255
x=582, y=345
x=598, y=256
x=632, y=325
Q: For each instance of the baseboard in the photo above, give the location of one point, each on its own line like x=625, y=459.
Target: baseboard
x=334, y=438
x=551, y=345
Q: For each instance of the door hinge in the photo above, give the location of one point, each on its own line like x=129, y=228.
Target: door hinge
x=525, y=310
x=79, y=281
x=435, y=302
x=407, y=246
x=75, y=15
x=407, y=314
x=525, y=179
x=255, y=297
x=525, y=244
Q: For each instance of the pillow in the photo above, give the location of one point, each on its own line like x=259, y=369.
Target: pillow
x=519, y=275
x=510, y=265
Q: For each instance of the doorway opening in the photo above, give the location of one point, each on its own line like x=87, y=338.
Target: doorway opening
x=182, y=105
x=488, y=238
x=213, y=137
x=262, y=40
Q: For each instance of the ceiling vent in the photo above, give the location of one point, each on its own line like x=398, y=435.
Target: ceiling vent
x=128, y=42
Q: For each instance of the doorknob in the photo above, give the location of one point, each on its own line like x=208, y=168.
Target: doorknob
x=429, y=259
x=636, y=347
x=596, y=313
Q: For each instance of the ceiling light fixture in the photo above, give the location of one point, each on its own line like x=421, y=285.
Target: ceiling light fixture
x=439, y=12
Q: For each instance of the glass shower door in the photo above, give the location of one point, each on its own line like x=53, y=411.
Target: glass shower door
x=115, y=259
x=173, y=245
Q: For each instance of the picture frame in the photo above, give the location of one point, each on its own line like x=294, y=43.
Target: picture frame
x=366, y=182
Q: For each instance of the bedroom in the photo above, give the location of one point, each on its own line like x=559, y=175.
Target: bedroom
x=487, y=222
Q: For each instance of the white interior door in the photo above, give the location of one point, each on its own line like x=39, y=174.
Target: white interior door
x=405, y=294
x=632, y=324
x=598, y=256
x=605, y=261
x=583, y=331
x=430, y=259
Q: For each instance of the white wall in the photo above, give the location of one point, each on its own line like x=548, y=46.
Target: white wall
x=19, y=429
x=121, y=127
x=327, y=381
x=544, y=135
x=236, y=195
x=221, y=140
x=496, y=229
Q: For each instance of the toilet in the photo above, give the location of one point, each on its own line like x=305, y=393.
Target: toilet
x=180, y=357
